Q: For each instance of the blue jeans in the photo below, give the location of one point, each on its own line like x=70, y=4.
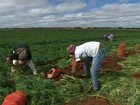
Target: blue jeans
x=93, y=70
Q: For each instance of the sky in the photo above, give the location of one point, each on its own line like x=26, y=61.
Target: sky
x=69, y=13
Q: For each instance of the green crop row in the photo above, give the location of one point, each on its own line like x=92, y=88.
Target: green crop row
x=48, y=48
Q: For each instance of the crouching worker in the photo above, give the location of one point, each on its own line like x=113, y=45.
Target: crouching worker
x=20, y=56
x=92, y=54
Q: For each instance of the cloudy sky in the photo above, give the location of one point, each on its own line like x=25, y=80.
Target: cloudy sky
x=69, y=13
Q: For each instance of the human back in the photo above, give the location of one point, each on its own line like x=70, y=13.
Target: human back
x=89, y=48
x=23, y=52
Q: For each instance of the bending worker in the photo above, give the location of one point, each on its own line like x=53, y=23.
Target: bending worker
x=92, y=54
x=20, y=56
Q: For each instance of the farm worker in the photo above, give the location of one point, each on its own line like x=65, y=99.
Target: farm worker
x=90, y=53
x=106, y=37
x=20, y=56
x=111, y=37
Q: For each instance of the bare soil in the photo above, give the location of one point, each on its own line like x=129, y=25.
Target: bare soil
x=93, y=100
x=136, y=75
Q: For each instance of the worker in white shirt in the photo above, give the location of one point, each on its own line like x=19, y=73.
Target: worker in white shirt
x=92, y=54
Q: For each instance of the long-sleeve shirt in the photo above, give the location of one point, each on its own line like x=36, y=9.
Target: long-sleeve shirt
x=15, y=54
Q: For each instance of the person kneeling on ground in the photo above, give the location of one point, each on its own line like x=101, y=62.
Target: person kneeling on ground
x=90, y=53
x=20, y=56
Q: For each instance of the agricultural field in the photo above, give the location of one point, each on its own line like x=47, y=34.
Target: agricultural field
x=119, y=77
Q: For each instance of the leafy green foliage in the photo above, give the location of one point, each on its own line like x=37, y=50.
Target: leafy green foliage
x=39, y=91
x=49, y=50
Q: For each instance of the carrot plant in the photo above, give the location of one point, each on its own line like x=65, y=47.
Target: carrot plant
x=48, y=49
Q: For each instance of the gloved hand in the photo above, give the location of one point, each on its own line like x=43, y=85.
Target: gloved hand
x=34, y=72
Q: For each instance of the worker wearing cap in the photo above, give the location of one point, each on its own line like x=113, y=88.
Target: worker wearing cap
x=20, y=56
x=92, y=54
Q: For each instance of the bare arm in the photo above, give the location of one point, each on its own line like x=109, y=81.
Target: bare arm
x=75, y=64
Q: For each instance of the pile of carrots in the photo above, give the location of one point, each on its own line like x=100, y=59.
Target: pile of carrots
x=53, y=73
x=16, y=98
x=121, y=50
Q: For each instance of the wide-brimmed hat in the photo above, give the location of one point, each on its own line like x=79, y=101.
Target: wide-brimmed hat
x=71, y=49
x=23, y=55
